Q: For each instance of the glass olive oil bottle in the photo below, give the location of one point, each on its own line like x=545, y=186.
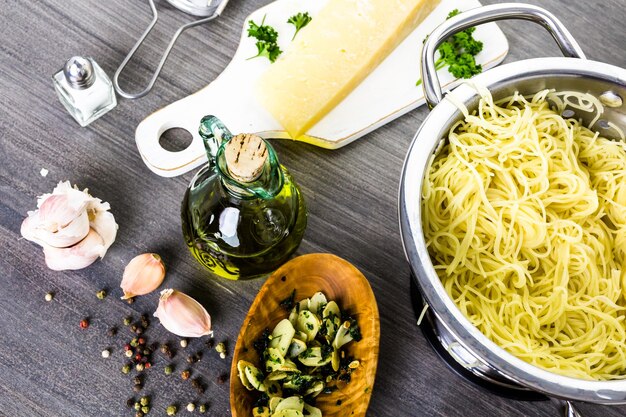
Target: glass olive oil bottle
x=242, y=215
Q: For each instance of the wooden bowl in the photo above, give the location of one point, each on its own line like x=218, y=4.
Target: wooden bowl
x=341, y=282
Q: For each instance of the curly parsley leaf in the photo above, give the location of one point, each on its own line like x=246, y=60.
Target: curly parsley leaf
x=299, y=20
x=267, y=38
x=269, y=50
x=262, y=32
x=458, y=53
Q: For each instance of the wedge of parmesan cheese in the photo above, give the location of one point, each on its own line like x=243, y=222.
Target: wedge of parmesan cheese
x=343, y=43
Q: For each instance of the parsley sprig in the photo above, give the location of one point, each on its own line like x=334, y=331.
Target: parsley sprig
x=299, y=20
x=458, y=53
x=267, y=38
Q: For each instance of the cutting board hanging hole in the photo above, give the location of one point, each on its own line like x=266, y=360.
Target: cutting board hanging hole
x=175, y=139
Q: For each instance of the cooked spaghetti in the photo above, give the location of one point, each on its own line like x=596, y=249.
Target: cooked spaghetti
x=524, y=215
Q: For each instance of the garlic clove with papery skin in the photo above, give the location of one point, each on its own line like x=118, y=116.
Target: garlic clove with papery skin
x=59, y=210
x=102, y=221
x=143, y=274
x=72, y=219
x=79, y=256
x=182, y=315
x=57, y=223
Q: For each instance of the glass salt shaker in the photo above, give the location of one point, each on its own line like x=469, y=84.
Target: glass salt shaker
x=84, y=89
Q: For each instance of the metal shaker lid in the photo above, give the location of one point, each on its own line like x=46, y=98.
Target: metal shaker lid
x=79, y=72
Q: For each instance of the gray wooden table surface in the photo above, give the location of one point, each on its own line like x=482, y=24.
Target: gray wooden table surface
x=49, y=366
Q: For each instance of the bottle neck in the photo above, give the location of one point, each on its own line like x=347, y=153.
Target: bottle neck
x=216, y=138
x=266, y=186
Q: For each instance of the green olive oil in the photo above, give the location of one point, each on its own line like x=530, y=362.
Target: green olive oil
x=243, y=215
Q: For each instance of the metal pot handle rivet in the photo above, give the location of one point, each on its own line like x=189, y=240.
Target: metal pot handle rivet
x=482, y=15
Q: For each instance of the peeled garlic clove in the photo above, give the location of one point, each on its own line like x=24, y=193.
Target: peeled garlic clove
x=143, y=274
x=79, y=256
x=182, y=315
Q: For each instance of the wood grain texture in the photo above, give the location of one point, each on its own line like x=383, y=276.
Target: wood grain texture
x=49, y=367
x=341, y=282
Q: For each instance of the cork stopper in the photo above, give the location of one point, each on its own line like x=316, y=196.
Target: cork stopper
x=245, y=157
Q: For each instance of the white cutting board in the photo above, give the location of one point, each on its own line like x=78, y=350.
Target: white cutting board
x=387, y=93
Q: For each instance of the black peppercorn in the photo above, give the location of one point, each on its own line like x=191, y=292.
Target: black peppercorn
x=112, y=331
x=130, y=402
x=197, y=384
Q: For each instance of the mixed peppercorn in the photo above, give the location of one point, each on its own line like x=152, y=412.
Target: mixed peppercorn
x=138, y=358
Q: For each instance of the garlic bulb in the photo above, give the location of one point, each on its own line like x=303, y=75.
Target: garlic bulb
x=73, y=227
x=182, y=315
x=143, y=274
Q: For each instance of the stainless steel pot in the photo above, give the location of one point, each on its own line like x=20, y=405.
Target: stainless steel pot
x=465, y=342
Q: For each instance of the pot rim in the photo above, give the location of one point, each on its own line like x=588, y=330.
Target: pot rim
x=421, y=148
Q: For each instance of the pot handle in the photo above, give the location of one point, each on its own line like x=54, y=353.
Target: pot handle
x=479, y=16
x=570, y=410
x=567, y=408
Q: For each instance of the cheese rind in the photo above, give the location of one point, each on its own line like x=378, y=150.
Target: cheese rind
x=332, y=55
